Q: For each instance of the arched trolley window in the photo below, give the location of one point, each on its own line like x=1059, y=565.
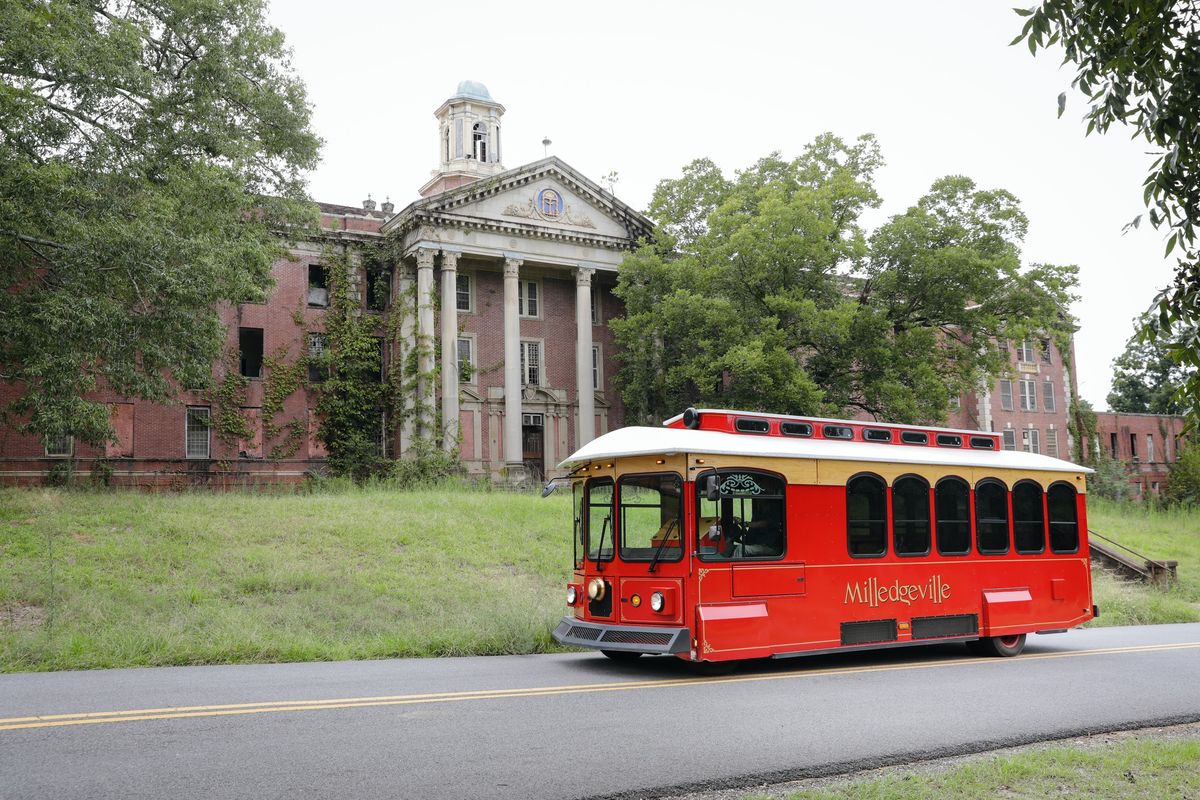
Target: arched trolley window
x=952, y=501
x=866, y=515
x=1029, y=519
x=1064, y=518
x=741, y=515
x=910, y=516
x=649, y=515
x=991, y=517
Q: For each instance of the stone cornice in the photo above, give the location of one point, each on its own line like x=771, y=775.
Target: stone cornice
x=443, y=220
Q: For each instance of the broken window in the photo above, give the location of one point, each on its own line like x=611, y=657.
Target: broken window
x=250, y=348
x=379, y=284
x=531, y=363
x=318, y=288
x=317, y=371
x=466, y=365
x=479, y=139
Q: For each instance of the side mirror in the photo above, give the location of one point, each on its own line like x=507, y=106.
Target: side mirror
x=711, y=489
x=549, y=488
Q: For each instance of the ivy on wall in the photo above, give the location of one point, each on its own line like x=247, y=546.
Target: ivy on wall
x=227, y=397
x=282, y=377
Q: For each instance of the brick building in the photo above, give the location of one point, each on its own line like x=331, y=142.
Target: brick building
x=510, y=271
x=1147, y=443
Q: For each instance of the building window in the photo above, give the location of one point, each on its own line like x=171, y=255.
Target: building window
x=595, y=305
x=1048, y=395
x=60, y=446
x=462, y=292
x=318, y=288
x=250, y=351
x=1030, y=439
x=596, y=382
x=1112, y=440
x=531, y=363
x=379, y=286
x=466, y=364
x=1046, y=357
x=1028, y=395
x=196, y=431
x=1006, y=399
x=1052, y=443
x=1149, y=446
x=527, y=299
x=1133, y=445
x=1010, y=439
x=955, y=403
x=1025, y=352
x=479, y=141
x=317, y=371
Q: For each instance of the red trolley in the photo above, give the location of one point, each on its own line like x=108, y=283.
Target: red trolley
x=729, y=535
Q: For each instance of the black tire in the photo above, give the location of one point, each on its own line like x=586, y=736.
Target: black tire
x=999, y=646
x=621, y=655
x=712, y=669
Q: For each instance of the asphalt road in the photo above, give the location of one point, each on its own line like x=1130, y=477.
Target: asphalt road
x=571, y=725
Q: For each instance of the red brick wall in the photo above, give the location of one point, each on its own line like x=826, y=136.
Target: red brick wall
x=1149, y=470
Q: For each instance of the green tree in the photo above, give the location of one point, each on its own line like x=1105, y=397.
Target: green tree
x=1146, y=377
x=149, y=152
x=1183, y=478
x=764, y=292
x=1138, y=63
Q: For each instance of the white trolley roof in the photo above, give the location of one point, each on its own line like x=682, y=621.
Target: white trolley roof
x=646, y=441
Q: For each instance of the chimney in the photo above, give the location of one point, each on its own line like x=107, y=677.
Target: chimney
x=369, y=204
x=388, y=206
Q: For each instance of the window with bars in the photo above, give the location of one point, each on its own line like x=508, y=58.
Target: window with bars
x=1052, y=443
x=1028, y=395
x=531, y=363
x=317, y=371
x=462, y=292
x=1031, y=440
x=528, y=299
x=197, y=428
x=466, y=364
x=1025, y=352
x=60, y=446
x=1010, y=439
x=1047, y=358
x=596, y=368
x=1048, y=395
x=1006, y=395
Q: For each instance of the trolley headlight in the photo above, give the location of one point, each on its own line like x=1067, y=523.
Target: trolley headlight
x=595, y=589
x=656, y=602
x=572, y=595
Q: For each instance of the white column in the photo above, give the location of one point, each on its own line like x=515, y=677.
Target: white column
x=425, y=333
x=403, y=302
x=585, y=429
x=449, y=350
x=512, y=371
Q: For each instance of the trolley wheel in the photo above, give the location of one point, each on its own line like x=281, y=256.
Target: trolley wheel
x=712, y=669
x=999, y=646
x=621, y=655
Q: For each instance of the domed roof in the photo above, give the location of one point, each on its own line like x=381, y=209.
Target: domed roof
x=474, y=89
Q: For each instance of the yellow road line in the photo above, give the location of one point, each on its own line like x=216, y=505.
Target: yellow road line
x=278, y=706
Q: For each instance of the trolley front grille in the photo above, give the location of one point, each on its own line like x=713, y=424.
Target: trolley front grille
x=580, y=632
x=636, y=637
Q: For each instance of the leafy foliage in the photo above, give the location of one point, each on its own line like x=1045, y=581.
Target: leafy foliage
x=1139, y=65
x=149, y=149
x=1146, y=376
x=1183, y=478
x=764, y=291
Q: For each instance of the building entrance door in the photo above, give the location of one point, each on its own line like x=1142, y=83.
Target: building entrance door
x=533, y=444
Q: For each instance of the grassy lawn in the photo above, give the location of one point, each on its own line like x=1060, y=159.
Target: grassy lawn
x=1166, y=535
x=1131, y=769
x=119, y=579
x=106, y=579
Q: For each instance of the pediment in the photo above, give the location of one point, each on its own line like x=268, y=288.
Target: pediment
x=545, y=197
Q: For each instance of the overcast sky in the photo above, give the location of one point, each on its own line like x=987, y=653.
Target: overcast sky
x=643, y=88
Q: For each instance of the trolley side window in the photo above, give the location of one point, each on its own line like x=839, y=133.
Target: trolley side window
x=741, y=515
x=1064, y=519
x=1029, y=520
x=866, y=515
x=910, y=516
x=650, y=508
x=952, y=498
x=598, y=503
x=991, y=517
